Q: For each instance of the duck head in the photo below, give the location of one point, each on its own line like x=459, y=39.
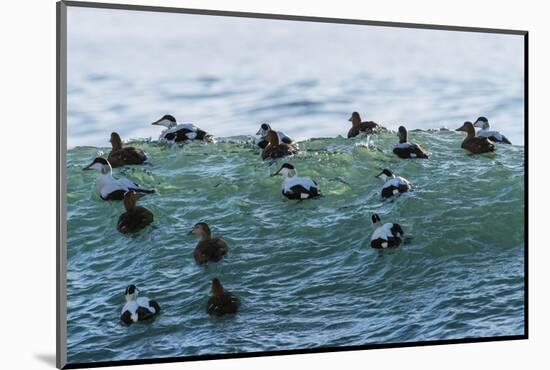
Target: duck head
x=116, y=141
x=286, y=170
x=130, y=199
x=468, y=127
x=131, y=293
x=385, y=175
x=482, y=122
x=402, y=133
x=355, y=118
x=167, y=121
x=100, y=164
x=217, y=288
x=264, y=128
x=201, y=230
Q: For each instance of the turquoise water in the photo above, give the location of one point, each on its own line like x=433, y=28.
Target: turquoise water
x=304, y=271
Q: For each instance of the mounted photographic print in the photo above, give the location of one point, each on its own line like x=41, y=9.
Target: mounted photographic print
x=237, y=184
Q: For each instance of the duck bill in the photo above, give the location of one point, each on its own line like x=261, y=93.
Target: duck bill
x=88, y=167
x=461, y=128
x=276, y=173
x=350, y=119
x=380, y=174
x=157, y=122
x=260, y=131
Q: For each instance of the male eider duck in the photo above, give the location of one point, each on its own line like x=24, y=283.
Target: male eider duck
x=110, y=188
x=393, y=185
x=385, y=236
x=295, y=187
x=494, y=136
x=262, y=132
x=357, y=126
x=406, y=150
x=208, y=249
x=475, y=144
x=221, y=302
x=275, y=148
x=179, y=132
x=120, y=156
x=136, y=217
x=137, y=309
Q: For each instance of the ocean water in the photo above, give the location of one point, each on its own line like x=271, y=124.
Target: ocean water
x=304, y=271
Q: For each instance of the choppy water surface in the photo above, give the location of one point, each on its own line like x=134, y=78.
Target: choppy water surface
x=303, y=270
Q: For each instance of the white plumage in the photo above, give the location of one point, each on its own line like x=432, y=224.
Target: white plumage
x=306, y=182
x=396, y=182
x=384, y=232
x=486, y=133
x=182, y=126
x=133, y=306
x=107, y=184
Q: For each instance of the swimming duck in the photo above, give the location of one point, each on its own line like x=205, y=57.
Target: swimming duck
x=137, y=309
x=120, y=156
x=221, y=302
x=136, y=217
x=295, y=187
x=393, y=185
x=275, y=148
x=182, y=132
x=494, y=136
x=208, y=249
x=107, y=186
x=357, y=126
x=385, y=236
x=406, y=150
x=473, y=143
x=264, y=128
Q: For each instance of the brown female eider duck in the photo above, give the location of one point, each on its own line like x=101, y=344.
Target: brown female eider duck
x=357, y=126
x=406, y=150
x=393, y=185
x=208, y=249
x=475, y=144
x=221, y=302
x=275, y=148
x=385, y=236
x=494, y=136
x=136, y=217
x=262, y=132
x=107, y=186
x=137, y=309
x=295, y=187
x=120, y=156
x=175, y=132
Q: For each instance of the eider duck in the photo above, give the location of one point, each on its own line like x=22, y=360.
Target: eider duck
x=179, y=132
x=120, y=156
x=295, y=187
x=262, y=132
x=494, y=136
x=385, y=236
x=221, y=302
x=208, y=249
x=275, y=148
x=357, y=126
x=406, y=150
x=137, y=309
x=136, y=217
x=393, y=185
x=107, y=186
x=473, y=143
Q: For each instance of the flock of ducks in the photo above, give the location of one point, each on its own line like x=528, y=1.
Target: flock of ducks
x=274, y=145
